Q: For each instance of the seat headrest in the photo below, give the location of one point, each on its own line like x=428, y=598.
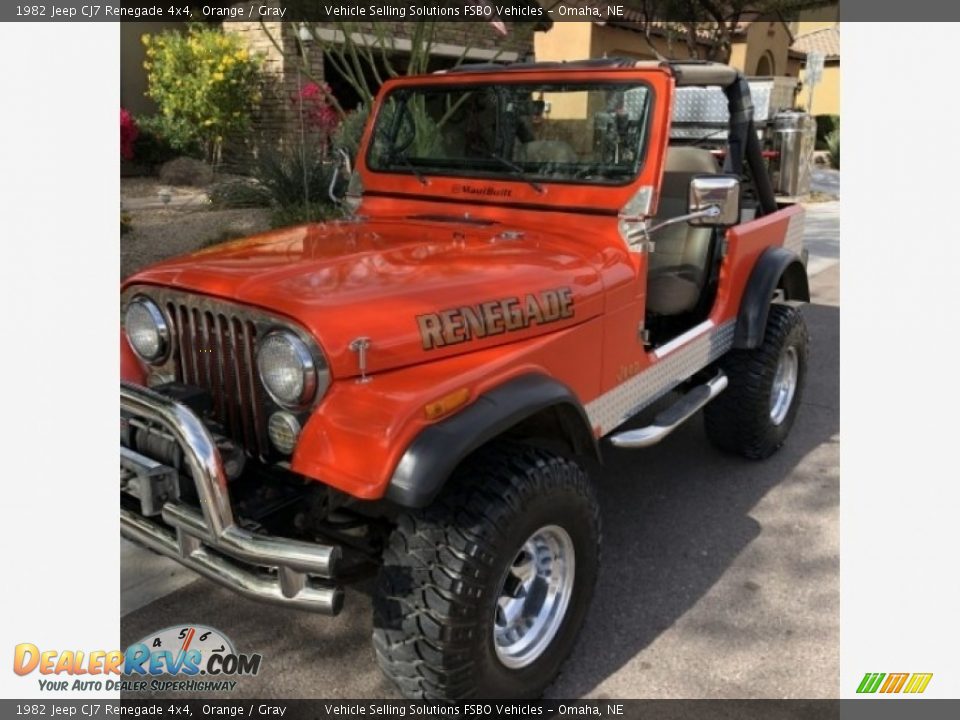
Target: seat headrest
x=693, y=160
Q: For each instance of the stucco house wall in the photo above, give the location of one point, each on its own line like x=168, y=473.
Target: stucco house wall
x=826, y=95
x=824, y=39
x=764, y=49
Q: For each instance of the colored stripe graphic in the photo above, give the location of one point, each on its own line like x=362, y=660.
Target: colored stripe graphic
x=918, y=682
x=870, y=682
x=894, y=683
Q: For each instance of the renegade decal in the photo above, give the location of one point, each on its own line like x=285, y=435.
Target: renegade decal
x=495, y=317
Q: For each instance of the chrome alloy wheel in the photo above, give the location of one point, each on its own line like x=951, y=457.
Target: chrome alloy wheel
x=784, y=384
x=534, y=596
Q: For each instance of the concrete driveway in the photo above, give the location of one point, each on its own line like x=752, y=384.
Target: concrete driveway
x=826, y=181
x=720, y=575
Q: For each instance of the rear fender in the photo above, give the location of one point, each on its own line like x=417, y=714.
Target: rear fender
x=776, y=269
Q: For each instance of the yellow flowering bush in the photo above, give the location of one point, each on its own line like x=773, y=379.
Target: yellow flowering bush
x=206, y=85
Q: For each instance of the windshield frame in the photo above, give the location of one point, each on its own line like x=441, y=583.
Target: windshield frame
x=490, y=176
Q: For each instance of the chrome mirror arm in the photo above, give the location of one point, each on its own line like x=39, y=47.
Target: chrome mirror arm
x=641, y=235
x=336, y=174
x=346, y=160
x=333, y=184
x=711, y=211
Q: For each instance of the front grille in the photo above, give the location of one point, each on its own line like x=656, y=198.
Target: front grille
x=215, y=348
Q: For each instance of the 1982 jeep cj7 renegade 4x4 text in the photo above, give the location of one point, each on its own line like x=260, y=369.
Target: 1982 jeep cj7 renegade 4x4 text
x=530, y=262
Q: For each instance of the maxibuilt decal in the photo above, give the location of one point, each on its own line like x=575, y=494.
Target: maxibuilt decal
x=494, y=317
x=482, y=191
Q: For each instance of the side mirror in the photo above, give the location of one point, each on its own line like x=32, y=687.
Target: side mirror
x=714, y=191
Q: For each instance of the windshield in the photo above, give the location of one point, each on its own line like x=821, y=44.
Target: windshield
x=584, y=133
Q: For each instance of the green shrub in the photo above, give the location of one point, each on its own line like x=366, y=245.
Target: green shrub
x=293, y=180
x=152, y=148
x=164, y=138
x=348, y=134
x=295, y=175
x=833, y=145
x=206, y=84
x=825, y=123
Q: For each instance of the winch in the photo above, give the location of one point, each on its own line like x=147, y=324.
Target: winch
x=158, y=444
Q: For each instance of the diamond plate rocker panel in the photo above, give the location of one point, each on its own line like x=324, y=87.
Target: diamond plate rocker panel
x=615, y=406
x=794, y=238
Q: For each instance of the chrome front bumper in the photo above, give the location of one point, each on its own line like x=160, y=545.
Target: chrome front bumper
x=264, y=567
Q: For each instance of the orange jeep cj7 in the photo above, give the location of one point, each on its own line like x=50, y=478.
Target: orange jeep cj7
x=531, y=257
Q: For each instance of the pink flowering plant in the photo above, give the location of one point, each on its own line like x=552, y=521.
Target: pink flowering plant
x=128, y=134
x=319, y=115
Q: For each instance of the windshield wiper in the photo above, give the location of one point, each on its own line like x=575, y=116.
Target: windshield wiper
x=404, y=160
x=521, y=173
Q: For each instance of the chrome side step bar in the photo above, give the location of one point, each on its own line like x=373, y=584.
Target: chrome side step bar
x=673, y=417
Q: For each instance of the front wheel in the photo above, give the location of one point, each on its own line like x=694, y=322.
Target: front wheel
x=483, y=593
x=753, y=416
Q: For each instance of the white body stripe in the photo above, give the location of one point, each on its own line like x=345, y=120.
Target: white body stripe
x=684, y=357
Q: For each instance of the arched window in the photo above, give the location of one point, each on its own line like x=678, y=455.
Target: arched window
x=765, y=67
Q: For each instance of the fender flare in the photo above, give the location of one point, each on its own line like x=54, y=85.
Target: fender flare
x=434, y=454
x=776, y=268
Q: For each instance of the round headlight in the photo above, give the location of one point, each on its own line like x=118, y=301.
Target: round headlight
x=287, y=369
x=147, y=329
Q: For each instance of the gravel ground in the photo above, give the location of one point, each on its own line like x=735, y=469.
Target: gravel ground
x=148, y=187
x=186, y=224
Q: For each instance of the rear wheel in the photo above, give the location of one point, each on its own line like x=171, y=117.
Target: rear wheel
x=754, y=415
x=483, y=593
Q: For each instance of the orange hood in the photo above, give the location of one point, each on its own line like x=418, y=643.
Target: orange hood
x=420, y=289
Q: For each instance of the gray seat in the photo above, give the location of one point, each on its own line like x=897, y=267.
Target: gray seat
x=678, y=264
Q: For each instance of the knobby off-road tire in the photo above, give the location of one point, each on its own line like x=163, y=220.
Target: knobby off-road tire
x=753, y=416
x=460, y=569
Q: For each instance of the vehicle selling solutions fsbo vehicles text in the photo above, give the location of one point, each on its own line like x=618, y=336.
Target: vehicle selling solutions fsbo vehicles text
x=419, y=11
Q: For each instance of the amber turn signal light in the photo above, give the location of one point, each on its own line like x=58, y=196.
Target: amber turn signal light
x=446, y=404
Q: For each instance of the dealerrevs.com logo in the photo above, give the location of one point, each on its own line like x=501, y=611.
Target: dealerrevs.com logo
x=184, y=652
x=893, y=683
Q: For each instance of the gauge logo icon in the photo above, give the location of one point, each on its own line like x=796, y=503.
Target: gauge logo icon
x=188, y=649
